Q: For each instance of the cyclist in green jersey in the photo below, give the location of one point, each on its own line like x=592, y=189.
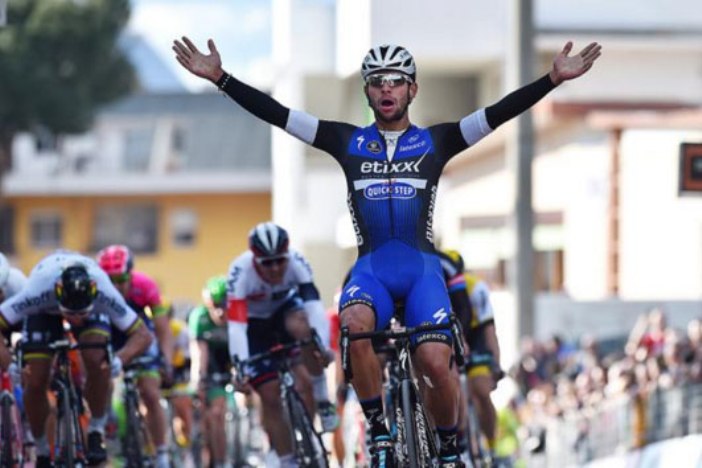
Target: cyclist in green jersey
x=208, y=328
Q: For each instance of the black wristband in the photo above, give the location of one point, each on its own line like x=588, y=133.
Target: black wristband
x=223, y=80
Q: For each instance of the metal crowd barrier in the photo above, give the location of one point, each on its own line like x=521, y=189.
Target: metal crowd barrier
x=621, y=425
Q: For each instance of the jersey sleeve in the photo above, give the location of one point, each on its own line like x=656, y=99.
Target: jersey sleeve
x=110, y=302
x=37, y=296
x=152, y=297
x=15, y=282
x=194, y=323
x=480, y=300
x=237, y=310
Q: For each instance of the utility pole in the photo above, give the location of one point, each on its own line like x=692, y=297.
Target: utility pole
x=520, y=71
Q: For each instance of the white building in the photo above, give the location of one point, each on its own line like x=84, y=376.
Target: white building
x=611, y=238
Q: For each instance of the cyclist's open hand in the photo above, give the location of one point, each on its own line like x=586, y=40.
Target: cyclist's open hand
x=208, y=66
x=567, y=68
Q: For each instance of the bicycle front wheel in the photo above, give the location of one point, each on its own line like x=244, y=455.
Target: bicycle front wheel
x=135, y=439
x=420, y=446
x=307, y=443
x=65, y=437
x=10, y=433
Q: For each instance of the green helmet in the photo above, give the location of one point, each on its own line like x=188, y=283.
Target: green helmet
x=215, y=291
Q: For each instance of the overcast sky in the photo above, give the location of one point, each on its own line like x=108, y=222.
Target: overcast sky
x=240, y=28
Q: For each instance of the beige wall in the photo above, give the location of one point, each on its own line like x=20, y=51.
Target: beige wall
x=223, y=225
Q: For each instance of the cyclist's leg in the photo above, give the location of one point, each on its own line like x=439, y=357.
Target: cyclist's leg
x=215, y=420
x=149, y=386
x=262, y=335
x=97, y=382
x=182, y=404
x=366, y=305
x=272, y=417
x=428, y=301
x=311, y=381
x=39, y=329
x=481, y=385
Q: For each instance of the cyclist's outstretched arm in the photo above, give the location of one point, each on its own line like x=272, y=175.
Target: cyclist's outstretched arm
x=564, y=68
x=297, y=123
x=482, y=122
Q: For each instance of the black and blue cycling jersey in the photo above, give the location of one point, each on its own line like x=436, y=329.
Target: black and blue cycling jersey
x=391, y=199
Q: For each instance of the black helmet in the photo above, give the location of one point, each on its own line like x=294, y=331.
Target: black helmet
x=75, y=290
x=268, y=240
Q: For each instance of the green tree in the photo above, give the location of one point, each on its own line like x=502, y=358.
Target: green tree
x=59, y=62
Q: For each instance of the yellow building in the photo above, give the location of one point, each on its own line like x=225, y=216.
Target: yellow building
x=179, y=178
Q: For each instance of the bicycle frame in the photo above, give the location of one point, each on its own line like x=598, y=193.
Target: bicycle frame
x=137, y=447
x=69, y=445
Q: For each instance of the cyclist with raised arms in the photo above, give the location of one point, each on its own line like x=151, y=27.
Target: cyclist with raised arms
x=142, y=294
x=272, y=299
x=208, y=329
x=470, y=300
x=392, y=170
x=70, y=286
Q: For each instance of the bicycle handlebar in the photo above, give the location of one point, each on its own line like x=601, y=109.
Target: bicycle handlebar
x=402, y=332
x=275, y=352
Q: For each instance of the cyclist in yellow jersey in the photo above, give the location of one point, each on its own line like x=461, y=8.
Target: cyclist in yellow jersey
x=180, y=393
x=470, y=300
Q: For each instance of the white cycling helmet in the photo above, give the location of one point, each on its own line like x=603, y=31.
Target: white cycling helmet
x=388, y=57
x=4, y=271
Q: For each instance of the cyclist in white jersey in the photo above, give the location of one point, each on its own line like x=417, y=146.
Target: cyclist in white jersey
x=70, y=286
x=272, y=299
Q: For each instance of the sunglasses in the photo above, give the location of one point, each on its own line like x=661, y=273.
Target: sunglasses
x=120, y=279
x=391, y=79
x=271, y=261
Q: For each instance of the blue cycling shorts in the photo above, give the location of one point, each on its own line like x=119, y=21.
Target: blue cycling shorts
x=396, y=273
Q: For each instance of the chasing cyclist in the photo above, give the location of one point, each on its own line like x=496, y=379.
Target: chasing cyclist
x=208, y=329
x=180, y=393
x=143, y=295
x=470, y=300
x=67, y=285
x=272, y=299
x=392, y=170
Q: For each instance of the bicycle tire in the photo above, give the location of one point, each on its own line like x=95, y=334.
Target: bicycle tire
x=65, y=437
x=239, y=435
x=476, y=450
x=134, y=439
x=308, y=446
x=7, y=430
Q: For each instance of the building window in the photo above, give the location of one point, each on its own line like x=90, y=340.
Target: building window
x=486, y=245
x=178, y=139
x=183, y=227
x=133, y=225
x=137, y=149
x=7, y=229
x=46, y=230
